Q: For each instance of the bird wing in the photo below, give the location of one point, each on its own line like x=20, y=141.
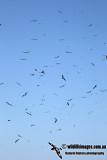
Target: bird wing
x=59, y=154
x=52, y=144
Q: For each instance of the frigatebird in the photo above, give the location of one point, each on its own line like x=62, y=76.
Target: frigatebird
x=9, y=104
x=56, y=149
x=1, y=83
x=94, y=86
x=68, y=52
x=25, y=94
x=63, y=78
x=16, y=140
x=26, y=52
x=55, y=120
x=29, y=113
x=60, y=11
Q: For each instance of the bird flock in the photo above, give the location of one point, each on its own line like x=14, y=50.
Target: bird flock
x=40, y=76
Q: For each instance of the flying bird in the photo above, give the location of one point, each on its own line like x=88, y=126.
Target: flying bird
x=95, y=35
x=55, y=120
x=34, y=39
x=89, y=25
x=22, y=59
x=60, y=11
x=68, y=52
x=93, y=64
x=34, y=20
x=42, y=72
x=46, y=112
x=25, y=94
x=56, y=149
x=18, y=84
x=83, y=97
x=56, y=57
x=55, y=94
x=16, y=140
x=94, y=86
x=26, y=52
x=90, y=112
x=103, y=90
x=1, y=83
x=29, y=113
x=89, y=92
x=70, y=99
x=9, y=104
x=63, y=78
x=19, y=135
x=32, y=125
x=61, y=39
x=65, y=21
x=68, y=103
x=45, y=66
x=62, y=86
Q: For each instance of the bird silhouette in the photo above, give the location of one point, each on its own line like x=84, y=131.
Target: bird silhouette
x=16, y=140
x=70, y=99
x=55, y=120
x=90, y=112
x=43, y=72
x=94, y=86
x=34, y=39
x=103, y=90
x=34, y=20
x=63, y=78
x=61, y=39
x=65, y=21
x=68, y=103
x=22, y=59
x=19, y=135
x=56, y=57
x=60, y=11
x=9, y=104
x=32, y=125
x=18, y=84
x=62, y=86
x=93, y=64
x=29, y=113
x=68, y=52
x=1, y=83
x=26, y=52
x=89, y=25
x=89, y=92
x=56, y=149
x=25, y=94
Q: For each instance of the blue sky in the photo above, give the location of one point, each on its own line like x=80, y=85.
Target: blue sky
x=81, y=30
